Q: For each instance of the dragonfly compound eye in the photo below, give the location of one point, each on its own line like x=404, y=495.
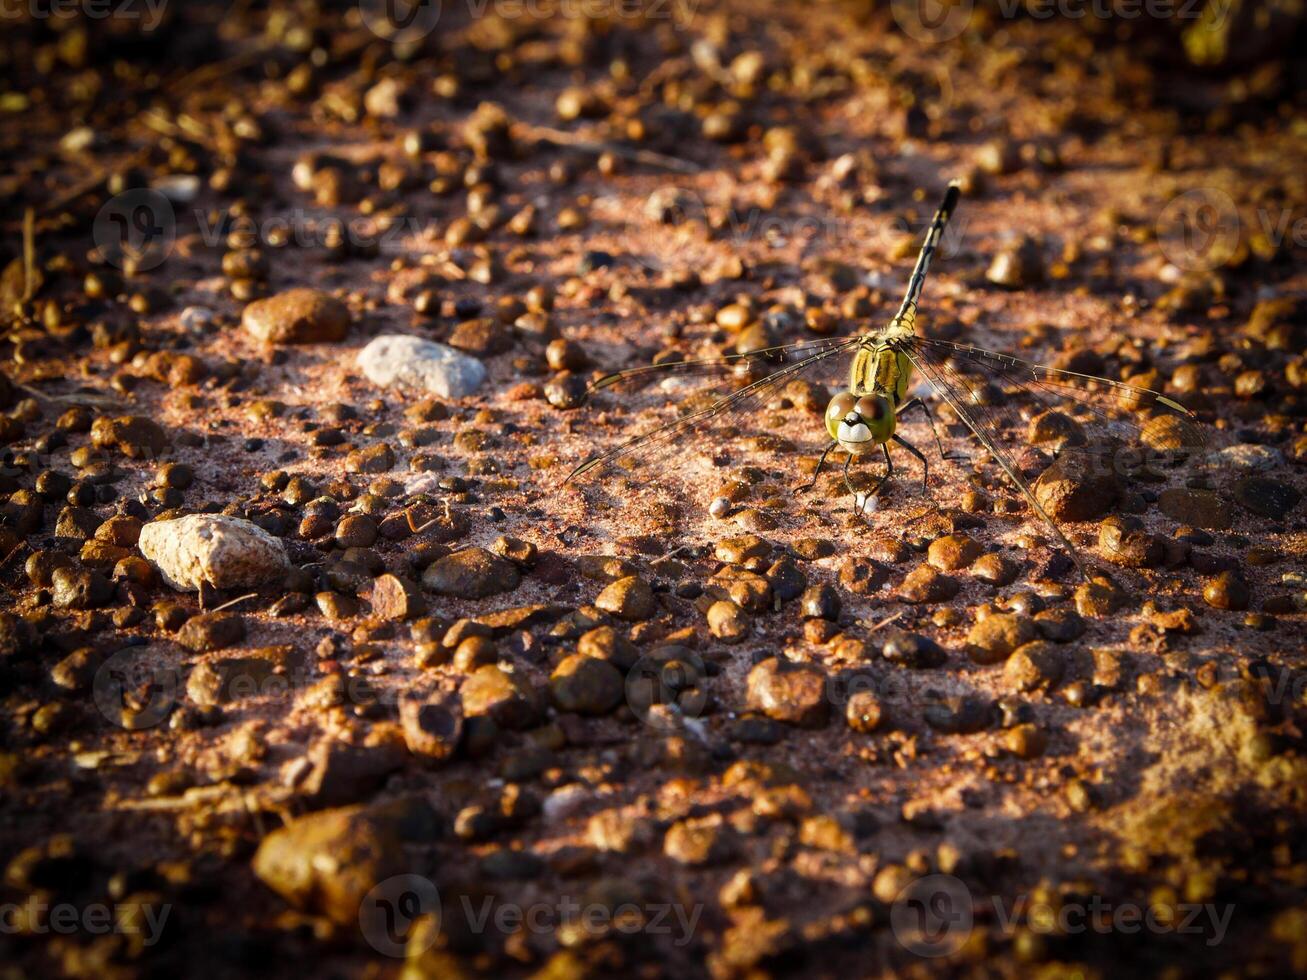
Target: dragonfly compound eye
x=870, y=408
x=839, y=408
x=841, y=405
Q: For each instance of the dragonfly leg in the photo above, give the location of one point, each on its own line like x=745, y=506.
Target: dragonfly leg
x=817, y=472
x=925, y=467
x=930, y=417
x=867, y=495
x=889, y=471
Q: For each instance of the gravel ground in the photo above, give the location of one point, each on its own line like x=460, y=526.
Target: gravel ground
x=303, y=664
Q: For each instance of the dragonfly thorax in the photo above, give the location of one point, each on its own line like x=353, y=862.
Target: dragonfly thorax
x=881, y=368
x=860, y=422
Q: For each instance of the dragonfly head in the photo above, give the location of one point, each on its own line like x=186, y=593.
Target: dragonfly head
x=860, y=423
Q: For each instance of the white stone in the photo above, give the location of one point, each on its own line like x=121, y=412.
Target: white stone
x=197, y=317
x=178, y=188
x=566, y=802
x=398, y=360
x=226, y=552
x=1248, y=456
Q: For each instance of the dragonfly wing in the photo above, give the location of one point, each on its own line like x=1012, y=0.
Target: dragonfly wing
x=720, y=409
x=1113, y=415
x=724, y=364
x=977, y=419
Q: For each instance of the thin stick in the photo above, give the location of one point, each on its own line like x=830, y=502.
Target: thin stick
x=158, y=122
x=885, y=622
x=88, y=398
x=206, y=75
x=229, y=604
x=29, y=254
x=666, y=69
x=82, y=187
x=646, y=157
x=418, y=530
x=254, y=815
x=447, y=516
x=12, y=551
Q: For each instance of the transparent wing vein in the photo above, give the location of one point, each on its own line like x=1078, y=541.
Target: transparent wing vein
x=730, y=405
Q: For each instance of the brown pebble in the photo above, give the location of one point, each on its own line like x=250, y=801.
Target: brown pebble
x=628, y=598
x=925, y=584
x=394, y=597
x=953, y=552
x=1228, y=590
x=297, y=316
x=996, y=636
x=1026, y=741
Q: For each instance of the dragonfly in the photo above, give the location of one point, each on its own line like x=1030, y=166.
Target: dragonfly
x=1108, y=421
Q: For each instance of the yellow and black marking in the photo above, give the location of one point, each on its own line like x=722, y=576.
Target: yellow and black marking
x=881, y=368
x=907, y=313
